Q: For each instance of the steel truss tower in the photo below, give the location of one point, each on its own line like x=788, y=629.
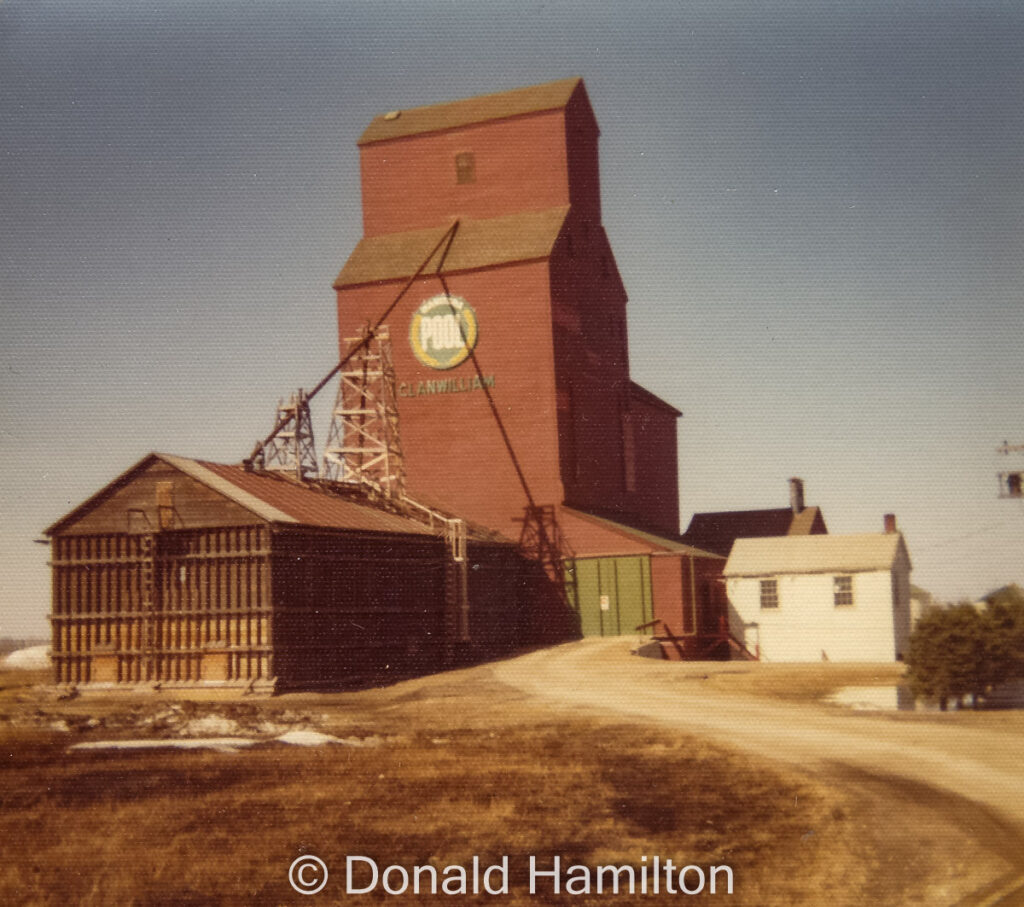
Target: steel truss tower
x=291, y=450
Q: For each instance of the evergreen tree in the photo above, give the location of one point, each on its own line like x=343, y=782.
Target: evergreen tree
x=961, y=651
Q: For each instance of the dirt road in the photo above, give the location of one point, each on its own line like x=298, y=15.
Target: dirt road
x=902, y=758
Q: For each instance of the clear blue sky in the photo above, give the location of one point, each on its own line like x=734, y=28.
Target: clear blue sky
x=817, y=209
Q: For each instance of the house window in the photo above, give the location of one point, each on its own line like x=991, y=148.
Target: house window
x=465, y=167
x=769, y=593
x=842, y=590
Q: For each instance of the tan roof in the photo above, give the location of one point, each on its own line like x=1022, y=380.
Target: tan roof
x=814, y=554
x=453, y=114
x=803, y=522
x=477, y=244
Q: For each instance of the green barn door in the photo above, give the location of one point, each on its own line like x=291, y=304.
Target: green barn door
x=613, y=594
x=588, y=593
x=632, y=584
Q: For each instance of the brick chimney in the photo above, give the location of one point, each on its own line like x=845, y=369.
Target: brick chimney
x=890, y=523
x=796, y=495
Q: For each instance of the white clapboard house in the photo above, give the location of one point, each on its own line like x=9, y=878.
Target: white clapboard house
x=821, y=597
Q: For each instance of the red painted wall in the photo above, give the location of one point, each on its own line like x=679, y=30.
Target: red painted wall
x=455, y=455
x=667, y=585
x=688, y=596
x=552, y=333
x=525, y=163
x=655, y=503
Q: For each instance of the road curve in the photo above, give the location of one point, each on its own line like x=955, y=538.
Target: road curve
x=984, y=766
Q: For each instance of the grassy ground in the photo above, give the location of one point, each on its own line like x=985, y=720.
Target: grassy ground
x=459, y=768
x=791, y=682
x=451, y=766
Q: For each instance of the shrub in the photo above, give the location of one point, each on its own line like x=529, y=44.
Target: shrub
x=961, y=651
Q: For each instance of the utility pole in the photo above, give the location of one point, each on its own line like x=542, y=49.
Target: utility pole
x=1011, y=481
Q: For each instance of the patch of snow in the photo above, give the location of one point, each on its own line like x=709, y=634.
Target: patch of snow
x=650, y=649
x=271, y=728
x=224, y=744
x=877, y=699
x=867, y=699
x=210, y=726
x=34, y=658
x=308, y=738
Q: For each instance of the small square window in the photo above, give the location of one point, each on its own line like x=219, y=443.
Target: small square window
x=465, y=167
x=769, y=593
x=842, y=590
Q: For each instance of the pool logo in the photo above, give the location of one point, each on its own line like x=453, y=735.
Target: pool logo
x=443, y=331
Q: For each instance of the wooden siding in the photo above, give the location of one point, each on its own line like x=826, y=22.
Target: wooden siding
x=185, y=606
x=133, y=507
x=500, y=584
x=356, y=608
x=236, y=598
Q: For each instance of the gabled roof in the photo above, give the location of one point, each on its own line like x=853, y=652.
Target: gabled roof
x=717, y=531
x=796, y=554
x=453, y=114
x=271, y=497
x=279, y=499
x=525, y=236
x=808, y=521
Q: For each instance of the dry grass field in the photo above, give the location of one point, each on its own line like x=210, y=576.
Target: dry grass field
x=449, y=769
x=434, y=770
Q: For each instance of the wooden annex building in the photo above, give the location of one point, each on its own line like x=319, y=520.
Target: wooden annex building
x=193, y=573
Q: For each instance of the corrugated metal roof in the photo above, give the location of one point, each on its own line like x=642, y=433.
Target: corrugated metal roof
x=453, y=114
x=649, y=538
x=278, y=499
x=814, y=554
x=477, y=244
x=271, y=497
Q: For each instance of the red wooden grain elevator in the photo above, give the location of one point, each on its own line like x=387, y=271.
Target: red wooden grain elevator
x=544, y=410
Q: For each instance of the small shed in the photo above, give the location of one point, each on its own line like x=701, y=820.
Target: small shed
x=821, y=597
x=194, y=573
